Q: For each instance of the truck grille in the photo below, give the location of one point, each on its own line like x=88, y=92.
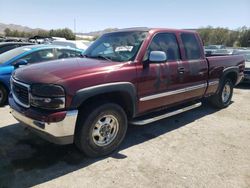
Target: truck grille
x=20, y=93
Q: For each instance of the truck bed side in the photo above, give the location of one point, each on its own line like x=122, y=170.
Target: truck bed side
x=220, y=66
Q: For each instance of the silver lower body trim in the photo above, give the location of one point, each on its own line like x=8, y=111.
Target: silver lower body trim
x=64, y=128
x=213, y=83
x=174, y=92
x=165, y=94
x=157, y=118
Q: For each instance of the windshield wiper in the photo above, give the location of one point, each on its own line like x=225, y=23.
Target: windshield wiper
x=98, y=57
x=101, y=57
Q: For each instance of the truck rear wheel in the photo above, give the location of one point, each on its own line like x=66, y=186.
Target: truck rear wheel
x=101, y=130
x=3, y=95
x=223, y=98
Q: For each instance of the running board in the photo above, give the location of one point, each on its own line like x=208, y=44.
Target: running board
x=169, y=114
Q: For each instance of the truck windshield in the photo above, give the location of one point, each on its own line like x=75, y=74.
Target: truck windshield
x=117, y=46
x=6, y=56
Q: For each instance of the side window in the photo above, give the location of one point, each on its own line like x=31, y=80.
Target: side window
x=167, y=43
x=64, y=53
x=39, y=56
x=27, y=58
x=191, y=46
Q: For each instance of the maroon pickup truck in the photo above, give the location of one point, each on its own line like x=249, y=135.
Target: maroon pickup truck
x=134, y=76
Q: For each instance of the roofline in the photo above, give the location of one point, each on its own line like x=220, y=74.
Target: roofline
x=146, y=29
x=130, y=29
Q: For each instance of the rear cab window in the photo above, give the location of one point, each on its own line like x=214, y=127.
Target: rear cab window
x=191, y=46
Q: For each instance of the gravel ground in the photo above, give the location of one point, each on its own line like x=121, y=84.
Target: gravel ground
x=200, y=148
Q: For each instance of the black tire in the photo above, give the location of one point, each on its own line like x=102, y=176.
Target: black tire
x=3, y=95
x=217, y=99
x=86, y=123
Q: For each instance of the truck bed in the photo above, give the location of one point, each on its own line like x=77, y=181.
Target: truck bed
x=219, y=64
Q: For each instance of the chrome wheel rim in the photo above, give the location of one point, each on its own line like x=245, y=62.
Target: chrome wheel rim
x=226, y=92
x=105, y=130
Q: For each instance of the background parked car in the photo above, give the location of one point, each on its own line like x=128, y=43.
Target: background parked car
x=71, y=43
x=28, y=55
x=246, y=54
x=6, y=46
x=210, y=49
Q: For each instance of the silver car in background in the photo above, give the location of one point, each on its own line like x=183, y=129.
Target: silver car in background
x=246, y=54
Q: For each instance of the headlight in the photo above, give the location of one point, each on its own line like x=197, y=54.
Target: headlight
x=47, y=96
x=47, y=90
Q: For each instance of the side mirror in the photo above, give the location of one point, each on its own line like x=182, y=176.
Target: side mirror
x=20, y=62
x=157, y=57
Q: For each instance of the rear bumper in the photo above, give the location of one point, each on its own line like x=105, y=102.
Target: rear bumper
x=60, y=132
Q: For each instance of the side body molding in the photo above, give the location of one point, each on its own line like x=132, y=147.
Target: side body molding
x=123, y=87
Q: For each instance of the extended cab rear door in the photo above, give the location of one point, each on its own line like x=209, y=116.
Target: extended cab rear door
x=194, y=64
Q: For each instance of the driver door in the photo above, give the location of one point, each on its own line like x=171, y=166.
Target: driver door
x=158, y=78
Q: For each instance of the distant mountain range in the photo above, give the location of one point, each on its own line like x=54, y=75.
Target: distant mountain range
x=28, y=29
x=98, y=33
x=16, y=27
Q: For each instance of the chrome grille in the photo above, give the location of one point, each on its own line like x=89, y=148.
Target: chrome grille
x=20, y=93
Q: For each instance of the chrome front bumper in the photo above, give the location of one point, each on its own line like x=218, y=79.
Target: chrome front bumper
x=61, y=132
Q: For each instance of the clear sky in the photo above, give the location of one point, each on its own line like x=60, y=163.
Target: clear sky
x=92, y=15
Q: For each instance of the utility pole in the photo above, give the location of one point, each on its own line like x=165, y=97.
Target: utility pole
x=75, y=26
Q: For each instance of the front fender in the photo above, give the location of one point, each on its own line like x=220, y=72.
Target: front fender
x=86, y=93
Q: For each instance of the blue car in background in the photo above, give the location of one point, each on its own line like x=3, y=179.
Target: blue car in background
x=25, y=55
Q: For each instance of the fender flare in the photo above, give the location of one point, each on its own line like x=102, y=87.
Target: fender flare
x=234, y=69
x=86, y=93
x=226, y=71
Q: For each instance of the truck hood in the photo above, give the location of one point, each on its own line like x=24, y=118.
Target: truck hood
x=54, y=71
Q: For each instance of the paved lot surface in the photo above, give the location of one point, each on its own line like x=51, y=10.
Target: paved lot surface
x=200, y=148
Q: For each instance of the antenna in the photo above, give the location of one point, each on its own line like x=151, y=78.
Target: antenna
x=74, y=25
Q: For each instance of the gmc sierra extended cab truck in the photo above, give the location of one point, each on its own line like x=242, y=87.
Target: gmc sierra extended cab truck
x=134, y=76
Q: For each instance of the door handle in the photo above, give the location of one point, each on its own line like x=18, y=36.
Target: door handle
x=181, y=70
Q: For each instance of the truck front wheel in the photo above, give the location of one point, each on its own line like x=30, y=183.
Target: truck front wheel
x=101, y=129
x=223, y=98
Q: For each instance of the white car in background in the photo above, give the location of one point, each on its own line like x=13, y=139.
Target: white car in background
x=246, y=54
x=71, y=43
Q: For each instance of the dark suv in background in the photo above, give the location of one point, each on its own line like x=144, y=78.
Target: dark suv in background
x=6, y=46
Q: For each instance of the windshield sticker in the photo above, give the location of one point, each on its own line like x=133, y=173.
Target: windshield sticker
x=124, y=49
